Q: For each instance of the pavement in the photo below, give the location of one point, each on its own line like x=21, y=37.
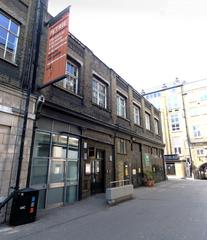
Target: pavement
x=172, y=210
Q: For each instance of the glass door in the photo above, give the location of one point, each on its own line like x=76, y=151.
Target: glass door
x=63, y=175
x=72, y=170
x=55, y=167
x=97, y=173
x=57, y=170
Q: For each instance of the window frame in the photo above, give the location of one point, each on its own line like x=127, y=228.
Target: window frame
x=137, y=115
x=200, y=152
x=175, y=122
x=121, y=146
x=177, y=150
x=121, y=107
x=98, y=92
x=147, y=121
x=156, y=126
x=63, y=83
x=196, y=131
x=10, y=33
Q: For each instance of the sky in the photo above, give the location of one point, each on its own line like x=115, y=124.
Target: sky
x=147, y=42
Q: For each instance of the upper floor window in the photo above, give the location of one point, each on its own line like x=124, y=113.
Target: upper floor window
x=175, y=122
x=121, y=106
x=177, y=150
x=156, y=122
x=9, y=34
x=71, y=82
x=99, y=93
x=121, y=146
x=200, y=152
x=196, y=131
x=203, y=96
x=147, y=121
x=137, y=115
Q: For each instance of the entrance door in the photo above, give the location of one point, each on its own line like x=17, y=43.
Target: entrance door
x=63, y=174
x=170, y=168
x=97, y=173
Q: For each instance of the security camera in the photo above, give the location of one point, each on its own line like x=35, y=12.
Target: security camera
x=40, y=102
x=41, y=99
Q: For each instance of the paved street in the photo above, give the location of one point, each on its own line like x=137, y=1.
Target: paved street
x=173, y=210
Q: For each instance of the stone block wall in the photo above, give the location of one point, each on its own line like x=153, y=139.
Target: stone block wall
x=11, y=120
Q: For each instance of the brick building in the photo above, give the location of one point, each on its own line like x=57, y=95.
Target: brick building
x=92, y=129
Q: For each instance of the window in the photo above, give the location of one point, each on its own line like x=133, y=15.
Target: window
x=200, y=152
x=173, y=100
x=71, y=82
x=175, y=122
x=137, y=115
x=177, y=150
x=121, y=106
x=196, y=131
x=147, y=121
x=99, y=93
x=9, y=34
x=203, y=96
x=55, y=161
x=156, y=122
x=177, y=144
x=121, y=146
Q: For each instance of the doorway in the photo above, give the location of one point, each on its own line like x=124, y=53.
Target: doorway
x=55, y=168
x=97, y=172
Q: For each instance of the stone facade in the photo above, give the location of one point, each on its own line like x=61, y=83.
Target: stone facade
x=183, y=113
x=14, y=77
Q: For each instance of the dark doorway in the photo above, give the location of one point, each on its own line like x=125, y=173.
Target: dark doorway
x=97, y=172
x=170, y=168
x=203, y=171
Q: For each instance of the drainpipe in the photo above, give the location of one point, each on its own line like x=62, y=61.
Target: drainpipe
x=186, y=127
x=30, y=81
x=38, y=32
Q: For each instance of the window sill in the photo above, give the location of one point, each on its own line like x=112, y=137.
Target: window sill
x=126, y=119
x=101, y=108
x=137, y=125
x=7, y=61
x=69, y=92
x=176, y=131
x=157, y=135
x=121, y=153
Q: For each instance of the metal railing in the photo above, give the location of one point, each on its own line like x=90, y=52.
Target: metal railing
x=7, y=199
x=119, y=183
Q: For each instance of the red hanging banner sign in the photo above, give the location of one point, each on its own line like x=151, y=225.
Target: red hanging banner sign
x=57, y=48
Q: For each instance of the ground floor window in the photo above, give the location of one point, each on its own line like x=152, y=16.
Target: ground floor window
x=55, y=167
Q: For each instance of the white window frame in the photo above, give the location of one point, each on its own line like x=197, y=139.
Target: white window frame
x=121, y=105
x=71, y=78
x=147, y=121
x=156, y=124
x=175, y=123
x=177, y=150
x=196, y=132
x=137, y=115
x=9, y=33
x=96, y=92
x=200, y=152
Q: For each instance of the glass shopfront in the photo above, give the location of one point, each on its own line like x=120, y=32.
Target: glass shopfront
x=55, y=168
